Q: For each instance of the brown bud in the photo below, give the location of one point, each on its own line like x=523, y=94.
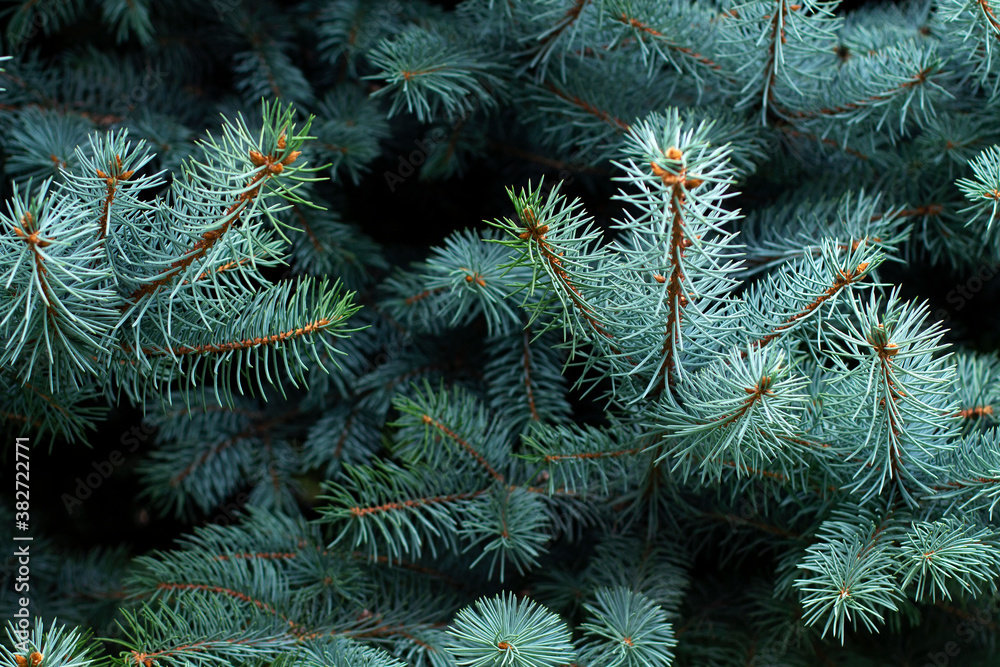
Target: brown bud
x=674, y=153
x=281, y=141
x=35, y=658
x=667, y=177
x=275, y=167
x=21, y=661
x=257, y=159
x=291, y=158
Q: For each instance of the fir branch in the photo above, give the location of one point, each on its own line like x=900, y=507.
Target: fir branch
x=265, y=162
x=503, y=631
x=277, y=330
x=480, y=459
x=193, y=635
x=556, y=33
x=57, y=286
x=675, y=24
x=900, y=387
x=399, y=510
x=525, y=384
x=850, y=578
x=430, y=75
x=547, y=242
x=604, y=116
x=936, y=553
x=473, y=439
x=511, y=525
x=627, y=628
x=57, y=645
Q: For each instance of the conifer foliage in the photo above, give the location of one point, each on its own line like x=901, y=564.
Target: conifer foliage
x=675, y=401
